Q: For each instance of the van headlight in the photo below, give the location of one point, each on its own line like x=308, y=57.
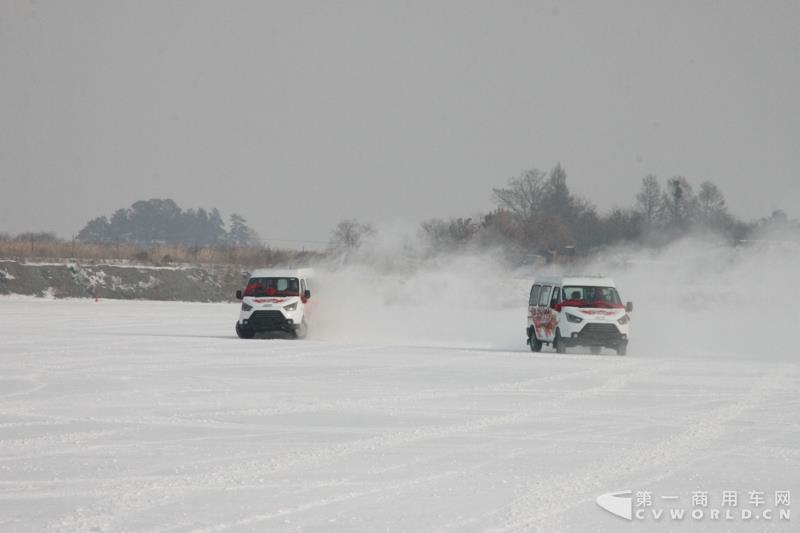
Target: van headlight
x=290, y=307
x=624, y=320
x=246, y=307
x=574, y=319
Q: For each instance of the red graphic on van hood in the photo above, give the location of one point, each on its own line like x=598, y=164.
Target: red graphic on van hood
x=598, y=312
x=269, y=300
x=591, y=305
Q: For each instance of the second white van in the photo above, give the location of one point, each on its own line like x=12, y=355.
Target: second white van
x=577, y=311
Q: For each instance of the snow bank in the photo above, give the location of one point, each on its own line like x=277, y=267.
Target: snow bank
x=120, y=281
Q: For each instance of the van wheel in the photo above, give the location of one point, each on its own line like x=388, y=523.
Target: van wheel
x=595, y=350
x=244, y=333
x=300, y=331
x=622, y=349
x=559, y=344
x=536, y=344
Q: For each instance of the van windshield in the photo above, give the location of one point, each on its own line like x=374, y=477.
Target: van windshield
x=587, y=296
x=272, y=287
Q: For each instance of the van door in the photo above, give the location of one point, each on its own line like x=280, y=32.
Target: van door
x=533, y=302
x=555, y=299
x=543, y=316
x=549, y=315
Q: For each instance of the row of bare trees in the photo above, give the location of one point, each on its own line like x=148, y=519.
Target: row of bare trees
x=537, y=214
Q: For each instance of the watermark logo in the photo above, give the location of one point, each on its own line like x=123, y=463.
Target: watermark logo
x=617, y=503
x=699, y=505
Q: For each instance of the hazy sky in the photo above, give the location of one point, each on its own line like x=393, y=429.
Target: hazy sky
x=299, y=114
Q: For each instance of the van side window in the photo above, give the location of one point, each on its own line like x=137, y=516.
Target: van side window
x=556, y=295
x=302, y=286
x=534, y=299
x=544, y=299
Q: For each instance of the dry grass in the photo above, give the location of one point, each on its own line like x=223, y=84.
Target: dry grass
x=57, y=250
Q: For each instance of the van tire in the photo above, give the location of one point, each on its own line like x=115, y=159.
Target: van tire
x=536, y=344
x=560, y=346
x=244, y=333
x=300, y=331
x=622, y=349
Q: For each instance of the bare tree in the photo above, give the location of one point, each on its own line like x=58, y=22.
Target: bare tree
x=680, y=204
x=623, y=224
x=524, y=196
x=449, y=234
x=558, y=200
x=648, y=200
x=711, y=205
x=349, y=235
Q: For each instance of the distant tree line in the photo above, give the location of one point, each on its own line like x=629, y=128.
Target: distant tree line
x=537, y=214
x=163, y=222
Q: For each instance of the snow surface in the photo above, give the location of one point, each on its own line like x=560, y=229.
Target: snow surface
x=129, y=415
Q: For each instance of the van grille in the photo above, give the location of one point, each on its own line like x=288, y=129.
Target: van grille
x=599, y=333
x=267, y=320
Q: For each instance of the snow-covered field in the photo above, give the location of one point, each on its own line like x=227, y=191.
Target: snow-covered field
x=125, y=415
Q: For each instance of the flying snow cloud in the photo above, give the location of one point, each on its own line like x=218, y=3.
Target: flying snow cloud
x=698, y=297
x=393, y=292
x=703, y=298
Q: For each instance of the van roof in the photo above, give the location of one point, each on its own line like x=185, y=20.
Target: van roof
x=281, y=273
x=578, y=280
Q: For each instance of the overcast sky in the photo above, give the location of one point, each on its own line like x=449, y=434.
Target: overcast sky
x=299, y=114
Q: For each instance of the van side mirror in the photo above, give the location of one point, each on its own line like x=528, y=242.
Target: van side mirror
x=239, y=295
x=629, y=307
x=307, y=294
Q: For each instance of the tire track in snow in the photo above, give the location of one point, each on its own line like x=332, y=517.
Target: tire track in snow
x=322, y=502
x=135, y=500
x=57, y=440
x=132, y=424
x=36, y=385
x=541, y=508
x=382, y=402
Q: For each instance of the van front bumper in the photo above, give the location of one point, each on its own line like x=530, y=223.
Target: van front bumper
x=260, y=321
x=593, y=334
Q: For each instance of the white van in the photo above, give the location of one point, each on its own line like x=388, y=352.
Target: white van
x=275, y=301
x=577, y=311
